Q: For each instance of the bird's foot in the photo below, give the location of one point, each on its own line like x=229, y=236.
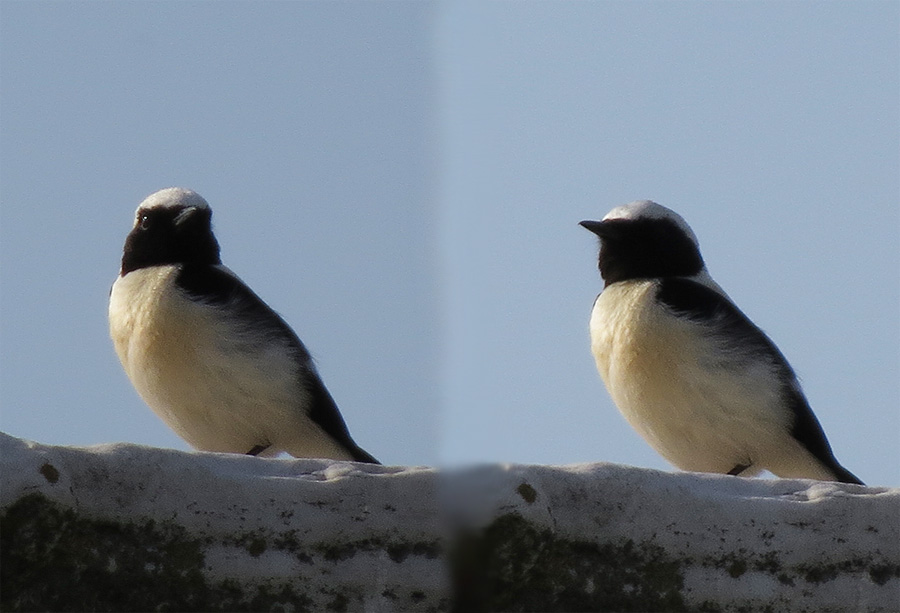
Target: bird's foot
x=738, y=469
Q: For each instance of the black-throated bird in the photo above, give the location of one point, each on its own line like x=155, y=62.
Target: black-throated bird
x=219, y=366
x=688, y=370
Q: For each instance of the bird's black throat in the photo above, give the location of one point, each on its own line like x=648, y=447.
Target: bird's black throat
x=170, y=235
x=645, y=249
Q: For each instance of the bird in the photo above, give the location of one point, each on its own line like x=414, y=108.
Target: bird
x=700, y=382
x=209, y=357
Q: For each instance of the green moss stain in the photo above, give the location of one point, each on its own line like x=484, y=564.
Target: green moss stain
x=527, y=493
x=514, y=566
x=768, y=563
x=398, y=552
x=737, y=568
x=51, y=558
x=256, y=547
x=808, y=573
x=338, y=603
x=879, y=573
x=49, y=472
x=882, y=573
x=339, y=552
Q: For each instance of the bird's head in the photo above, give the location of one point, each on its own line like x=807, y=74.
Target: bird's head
x=645, y=240
x=171, y=226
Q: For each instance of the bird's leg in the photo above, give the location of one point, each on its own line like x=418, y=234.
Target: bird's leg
x=738, y=469
x=258, y=449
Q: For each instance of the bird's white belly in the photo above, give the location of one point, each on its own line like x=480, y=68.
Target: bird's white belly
x=698, y=408
x=171, y=350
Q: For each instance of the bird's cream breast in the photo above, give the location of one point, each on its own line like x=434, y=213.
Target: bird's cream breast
x=649, y=359
x=216, y=387
x=625, y=331
x=155, y=336
x=674, y=384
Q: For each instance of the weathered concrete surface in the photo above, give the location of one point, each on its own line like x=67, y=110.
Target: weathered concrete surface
x=603, y=537
x=123, y=527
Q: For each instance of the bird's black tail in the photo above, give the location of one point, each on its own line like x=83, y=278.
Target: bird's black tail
x=843, y=475
x=808, y=432
x=360, y=455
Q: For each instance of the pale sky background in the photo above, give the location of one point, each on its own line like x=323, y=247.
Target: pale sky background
x=403, y=183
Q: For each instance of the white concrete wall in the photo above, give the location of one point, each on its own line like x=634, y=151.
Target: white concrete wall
x=123, y=526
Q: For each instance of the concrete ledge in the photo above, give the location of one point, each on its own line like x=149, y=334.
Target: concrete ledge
x=124, y=527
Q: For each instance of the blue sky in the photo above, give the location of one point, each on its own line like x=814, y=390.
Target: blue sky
x=403, y=183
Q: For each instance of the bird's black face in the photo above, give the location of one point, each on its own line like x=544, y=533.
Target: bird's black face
x=644, y=249
x=170, y=235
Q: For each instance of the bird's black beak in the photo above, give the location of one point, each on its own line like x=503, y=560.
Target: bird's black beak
x=597, y=227
x=185, y=214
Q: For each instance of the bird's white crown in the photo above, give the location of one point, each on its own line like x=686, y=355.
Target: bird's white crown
x=647, y=209
x=174, y=197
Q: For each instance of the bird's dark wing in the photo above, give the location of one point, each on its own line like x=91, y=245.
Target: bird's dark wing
x=217, y=286
x=324, y=412
x=703, y=305
x=809, y=432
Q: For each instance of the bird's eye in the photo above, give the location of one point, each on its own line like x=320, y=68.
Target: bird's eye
x=144, y=221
